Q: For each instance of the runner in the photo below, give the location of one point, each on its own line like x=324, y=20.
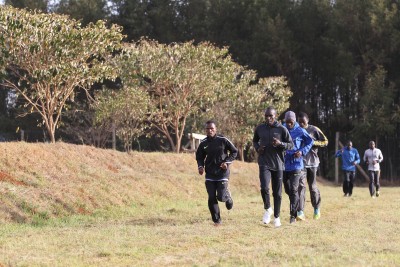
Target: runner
x=350, y=158
x=372, y=157
x=214, y=156
x=311, y=163
x=294, y=162
x=271, y=140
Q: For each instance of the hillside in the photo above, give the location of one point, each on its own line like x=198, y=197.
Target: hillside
x=150, y=209
x=40, y=180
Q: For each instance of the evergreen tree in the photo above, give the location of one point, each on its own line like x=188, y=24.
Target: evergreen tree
x=84, y=10
x=29, y=4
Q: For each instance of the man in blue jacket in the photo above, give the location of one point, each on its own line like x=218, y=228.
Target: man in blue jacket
x=214, y=156
x=350, y=158
x=302, y=143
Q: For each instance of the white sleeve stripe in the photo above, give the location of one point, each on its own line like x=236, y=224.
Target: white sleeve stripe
x=205, y=139
x=226, y=140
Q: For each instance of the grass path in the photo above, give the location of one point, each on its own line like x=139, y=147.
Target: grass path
x=356, y=231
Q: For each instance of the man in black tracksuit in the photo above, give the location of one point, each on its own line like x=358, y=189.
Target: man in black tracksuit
x=214, y=156
x=271, y=140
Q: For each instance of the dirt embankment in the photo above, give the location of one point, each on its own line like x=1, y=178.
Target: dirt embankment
x=53, y=180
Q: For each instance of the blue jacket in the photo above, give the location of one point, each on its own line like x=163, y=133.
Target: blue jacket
x=303, y=142
x=349, y=156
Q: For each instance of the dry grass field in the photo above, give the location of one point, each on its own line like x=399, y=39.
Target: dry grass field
x=69, y=205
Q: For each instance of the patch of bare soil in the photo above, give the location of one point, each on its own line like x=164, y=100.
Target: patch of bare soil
x=5, y=177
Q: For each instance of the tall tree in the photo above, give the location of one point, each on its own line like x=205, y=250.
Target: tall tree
x=29, y=4
x=128, y=109
x=379, y=112
x=51, y=56
x=133, y=17
x=80, y=125
x=181, y=79
x=241, y=107
x=155, y=19
x=193, y=19
x=84, y=10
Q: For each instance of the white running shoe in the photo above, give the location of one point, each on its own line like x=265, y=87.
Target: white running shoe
x=267, y=216
x=277, y=222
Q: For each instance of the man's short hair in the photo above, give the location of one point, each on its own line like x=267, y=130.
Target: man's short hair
x=270, y=108
x=303, y=115
x=211, y=122
x=348, y=142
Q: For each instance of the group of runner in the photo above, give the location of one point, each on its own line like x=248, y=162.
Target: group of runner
x=350, y=158
x=288, y=156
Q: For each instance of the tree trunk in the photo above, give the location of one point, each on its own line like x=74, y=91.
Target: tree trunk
x=170, y=140
x=241, y=153
x=178, y=144
x=51, y=129
x=178, y=138
x=179, y=135
x=52, y=134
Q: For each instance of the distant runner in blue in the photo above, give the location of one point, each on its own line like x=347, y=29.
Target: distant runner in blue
x=350, y=158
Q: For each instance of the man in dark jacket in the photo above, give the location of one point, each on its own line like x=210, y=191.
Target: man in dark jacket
x=214, y=156
x=271, y=140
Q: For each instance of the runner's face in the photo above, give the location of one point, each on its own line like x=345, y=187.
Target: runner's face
x=349, y=145
x=372, y=144
x=270, y=117
x=289, y=123
x=303, y=122
x=211, y=130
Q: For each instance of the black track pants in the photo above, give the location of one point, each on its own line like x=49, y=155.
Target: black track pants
x=275, y=177
x=217, y=191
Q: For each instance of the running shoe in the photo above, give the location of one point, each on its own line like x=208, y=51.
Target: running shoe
x=317, y=214
x=267, y=216
x=300, y=216
x=377, y=194
x=277, y=222
x=229, y=204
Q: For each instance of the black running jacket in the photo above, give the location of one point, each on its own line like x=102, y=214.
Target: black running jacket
x=212, y=152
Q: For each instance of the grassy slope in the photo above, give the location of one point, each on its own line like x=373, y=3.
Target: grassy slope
x=53, y=180
x=89, y=207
